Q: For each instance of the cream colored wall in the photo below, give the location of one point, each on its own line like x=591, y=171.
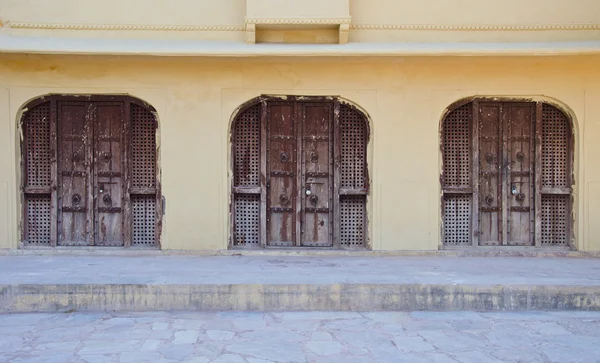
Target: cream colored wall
x=371, y=20
x=405, y=98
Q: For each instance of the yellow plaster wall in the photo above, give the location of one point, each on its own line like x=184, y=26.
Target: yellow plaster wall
x=371, y=20
x=405, y=98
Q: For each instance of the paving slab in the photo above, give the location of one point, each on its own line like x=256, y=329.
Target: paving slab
x=30, y=283
x=385, y=337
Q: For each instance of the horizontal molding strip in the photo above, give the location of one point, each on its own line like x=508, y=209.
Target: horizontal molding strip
x=156, y=47
x=59, y=26
x=353, y=26
x=433, y=27
x=292, y=21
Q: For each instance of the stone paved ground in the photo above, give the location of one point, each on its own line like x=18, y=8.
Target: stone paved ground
x=343, y=337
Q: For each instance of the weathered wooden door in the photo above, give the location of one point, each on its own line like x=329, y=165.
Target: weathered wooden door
x=506, y=195
x=507, y=175
x=299, y=174
x=91, y=173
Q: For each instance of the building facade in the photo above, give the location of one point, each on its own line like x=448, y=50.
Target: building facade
x=258, y=124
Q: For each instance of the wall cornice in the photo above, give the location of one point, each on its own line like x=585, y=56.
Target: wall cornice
x=353, y=26
x=292, y=21
x=72, y=26
x=434, y=27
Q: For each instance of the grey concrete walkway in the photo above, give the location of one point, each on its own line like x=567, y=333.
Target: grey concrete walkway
x=322, y=337
x=298, y=270
x=278, y=283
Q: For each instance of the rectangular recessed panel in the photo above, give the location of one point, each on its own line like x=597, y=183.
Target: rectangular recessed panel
x=456, y=144
x=37, y=208
x=555, y=220
x=247, y=147
x=246, y=210
x=37, y=136
x=353, y=215
x=143, y=148
x=457, y=220
x=353, y=143
x=144, y=219
x=555, y=148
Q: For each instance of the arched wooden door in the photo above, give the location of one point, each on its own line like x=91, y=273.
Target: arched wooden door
x=89, y=172
x=300, y=174
x=507, y=175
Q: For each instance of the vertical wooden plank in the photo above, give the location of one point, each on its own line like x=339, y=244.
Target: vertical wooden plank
x=53, y=174
x=92, y=185
x=504, y=169
x=475, y=179
x=300, y=186
x=126, y=168
x=570, y=181
x=532, y=174
x=337, y=151
x=159, y=211
x=538, y=174
x=263, y=173
x=24, y=150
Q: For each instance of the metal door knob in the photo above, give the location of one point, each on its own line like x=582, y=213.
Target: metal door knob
x=308, y=192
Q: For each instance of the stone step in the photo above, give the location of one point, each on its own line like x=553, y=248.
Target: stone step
x=294, y=297
x=55, y=283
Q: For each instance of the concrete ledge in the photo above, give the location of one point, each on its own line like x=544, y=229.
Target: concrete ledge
x=465, y=252
x=23, y=298
x=193, y=48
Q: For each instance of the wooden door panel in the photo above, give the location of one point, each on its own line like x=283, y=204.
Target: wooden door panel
x=520, y=196
x=317, y=168
x=281, y=174
x=108, y=172
x=75, y=159
x=490, y=161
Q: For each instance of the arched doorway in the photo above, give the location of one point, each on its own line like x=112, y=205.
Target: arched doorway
x=300, y=176
x=507, y=174
x=89, y=172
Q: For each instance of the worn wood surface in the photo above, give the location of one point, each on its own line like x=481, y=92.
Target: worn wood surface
x=90, y=171
x=299, y=183
x=524, y=152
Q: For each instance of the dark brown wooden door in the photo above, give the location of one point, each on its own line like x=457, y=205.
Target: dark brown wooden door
x=317, y=174
x=497, y=158
x=108, y=174
x=75, y=159
x=91, y=173
x=506, y=197
x=299, y=174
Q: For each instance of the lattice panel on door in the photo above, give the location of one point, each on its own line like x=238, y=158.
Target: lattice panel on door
x=246, y=210
x=555, y=220
x=143, y=148
x=37, y=229
x=352, y=220
x=456, y=146
x=246, y=141
x=457, y=220
x=353, y=130
x=555, y=148
x=144, y=219
x=37, y=143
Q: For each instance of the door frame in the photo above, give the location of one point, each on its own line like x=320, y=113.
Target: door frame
x=53, y=99
x=338, y=192
x=538, y=102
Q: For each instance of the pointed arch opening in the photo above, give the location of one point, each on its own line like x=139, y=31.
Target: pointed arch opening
x=507, y=174
x=90, y=174
x=299, y=173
